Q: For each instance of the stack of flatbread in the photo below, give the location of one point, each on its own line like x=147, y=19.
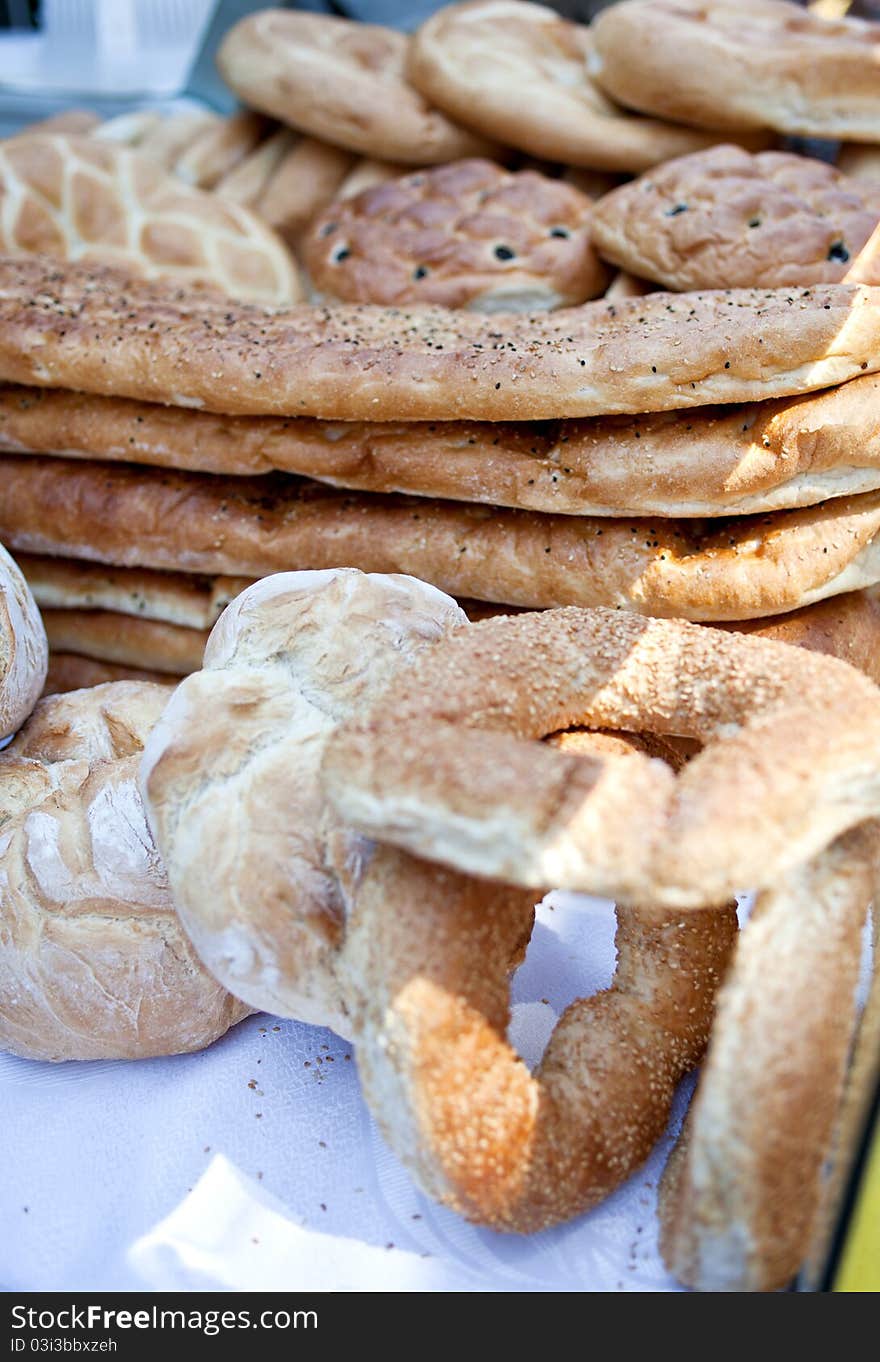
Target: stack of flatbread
x=699, y=442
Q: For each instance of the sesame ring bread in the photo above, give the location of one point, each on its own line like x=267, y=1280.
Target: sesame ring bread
x=443, y=766
x=468, y=234
x=421, y=993
x=741, y=568
x=341, y=81
x=290, y=658
x=520, y=74
x=94, y=963
x=742, y=1189
x=727, y=219
x=23, y=647
x=506, y=1148
x=97, y=330
x=733, y=460
x=77, y=199
x=754, y=64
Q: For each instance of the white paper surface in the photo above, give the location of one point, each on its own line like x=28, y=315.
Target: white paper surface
x=97, y=1156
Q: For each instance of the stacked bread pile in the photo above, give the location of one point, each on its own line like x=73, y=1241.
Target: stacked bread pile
x=458, y=404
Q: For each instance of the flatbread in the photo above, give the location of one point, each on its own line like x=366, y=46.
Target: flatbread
x=702, y=570
x=97, y=330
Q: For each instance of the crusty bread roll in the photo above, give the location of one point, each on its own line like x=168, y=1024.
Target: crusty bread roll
x=727, y=219
x=23, y=647
x=307, y=178
x=94, y=963
x=266, y=911
x=342, y=81
x=95, y=329
x=752, y=64
x=468, y=234
x=713, y=570
x=75, y=198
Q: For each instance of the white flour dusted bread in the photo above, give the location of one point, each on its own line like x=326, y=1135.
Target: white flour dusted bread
x=290, y=659
x=94, y=963
x=23, y=647
x=75, y=198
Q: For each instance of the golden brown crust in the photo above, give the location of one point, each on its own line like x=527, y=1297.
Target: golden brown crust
x=94, y=963
x=847, y=627
x=727, y=219
x=246, y=182
x=520, y=74
x=78, y=199
x=514, y=1150
x=23, y=647
x=341, y=81
x=467, y=234
x=167, y=142
x=755, y=64
x=69, y=671
x=744, y=568
x=443, y=770
x=96, y=330
x=862, y=162
x=108, y=636
x=742, y=1189
x=740, y=460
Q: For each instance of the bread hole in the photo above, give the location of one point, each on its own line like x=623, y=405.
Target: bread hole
x=420, y=272
x=504, y=253
x=837, y=251
x=560, y=231
x=338, y=254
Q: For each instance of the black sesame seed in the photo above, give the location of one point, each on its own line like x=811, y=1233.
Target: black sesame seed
x=420, y=272
x=560, y=231
x=837, y=251
x=504, y=253
x=674, y=212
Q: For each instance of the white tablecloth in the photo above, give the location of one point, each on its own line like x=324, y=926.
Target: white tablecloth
x=110, y=1176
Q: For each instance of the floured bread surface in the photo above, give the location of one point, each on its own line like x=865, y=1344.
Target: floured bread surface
x=704, y=570
x=290, y=659
x=753, y=64
x=341, y=81
x=94, y=963
x=520, y=73
x=23, y=647
x=733, y=460
x=75, y=198
x=728, y=219
x=468, y=234
x=97, y=330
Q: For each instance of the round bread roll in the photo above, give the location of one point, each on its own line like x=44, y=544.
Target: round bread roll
x=24, y=651
x=289, y=660
x=753, y=64
x=725, y=218
x=468, y=234
x=341, y=81
x=519, y=73
x=74, y=198
x=94, y=963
